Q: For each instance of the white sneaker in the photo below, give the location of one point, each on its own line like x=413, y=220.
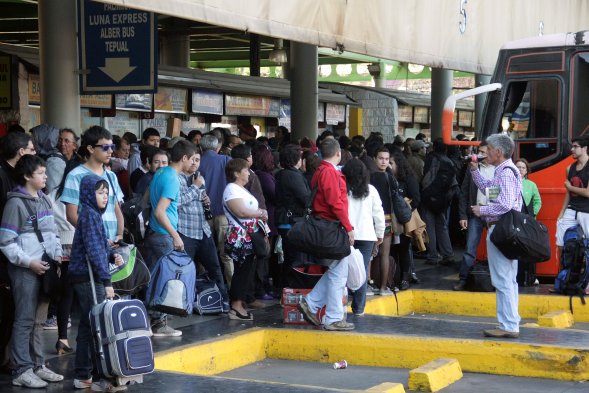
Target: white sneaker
x=47, y=375
x=28, y=379
x=82, y=383
x=385, y=292
x=105, y=386
x=163, y=330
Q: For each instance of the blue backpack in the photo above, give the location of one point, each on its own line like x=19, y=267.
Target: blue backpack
x=574, y=276
x=208, y=297
x=172, y=286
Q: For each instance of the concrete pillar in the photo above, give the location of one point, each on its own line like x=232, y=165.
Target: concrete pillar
x=479, y=100
x=303, y=90
x=254, y=55
x=441, y=89
x=58, y=63
x=175, y=50
x=380, y=77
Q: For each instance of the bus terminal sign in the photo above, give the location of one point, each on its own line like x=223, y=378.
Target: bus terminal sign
x=117, y=49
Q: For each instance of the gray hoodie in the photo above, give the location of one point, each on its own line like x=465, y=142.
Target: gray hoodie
x=18, y=241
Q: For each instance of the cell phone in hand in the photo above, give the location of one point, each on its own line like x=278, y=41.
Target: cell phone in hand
x=121, y=243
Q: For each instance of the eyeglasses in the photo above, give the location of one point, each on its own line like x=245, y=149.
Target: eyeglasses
x=106, y=147
x=575, y=147
x=66, y=141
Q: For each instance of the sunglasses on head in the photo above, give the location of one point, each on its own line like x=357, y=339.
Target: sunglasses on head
x=107, y=146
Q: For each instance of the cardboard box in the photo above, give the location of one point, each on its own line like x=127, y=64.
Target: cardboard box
x=174, y=127
x=291, y=315
x=292, y=296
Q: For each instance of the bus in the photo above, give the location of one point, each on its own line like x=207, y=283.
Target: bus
x=539, y=95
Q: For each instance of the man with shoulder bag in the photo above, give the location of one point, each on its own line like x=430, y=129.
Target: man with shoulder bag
x=503, y=192
x=330, y=203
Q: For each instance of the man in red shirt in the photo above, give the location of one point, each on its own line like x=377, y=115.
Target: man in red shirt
x=331, y=203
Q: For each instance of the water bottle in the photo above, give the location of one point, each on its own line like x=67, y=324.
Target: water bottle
x=207, y=208
x=474, y=158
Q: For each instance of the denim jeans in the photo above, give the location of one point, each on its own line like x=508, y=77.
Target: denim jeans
x=85, y=350
x=439, y=238
x=204, y=251
x=156, y=246
x=219, y=227
x=30, y=312
x=329, y=292
x=504, y=279
x=359, y=296
x=473, y=237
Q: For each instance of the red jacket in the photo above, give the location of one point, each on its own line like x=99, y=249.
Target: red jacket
x=331, y=200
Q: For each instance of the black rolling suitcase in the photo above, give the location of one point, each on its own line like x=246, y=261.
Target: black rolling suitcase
x=122, y=337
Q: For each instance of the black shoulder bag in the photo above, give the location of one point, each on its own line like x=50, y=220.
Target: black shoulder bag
x=519, y=236
x=319, y=237
x=401, y=209
x=52, y=283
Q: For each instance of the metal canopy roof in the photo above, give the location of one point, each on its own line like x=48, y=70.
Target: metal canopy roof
x=273, y=87
x=191, y=78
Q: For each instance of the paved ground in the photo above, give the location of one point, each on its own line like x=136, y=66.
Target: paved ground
x=273, y=375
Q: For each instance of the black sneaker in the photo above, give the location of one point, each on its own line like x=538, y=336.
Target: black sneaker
x=449, y=261
x=459, y=286
x=414, y=279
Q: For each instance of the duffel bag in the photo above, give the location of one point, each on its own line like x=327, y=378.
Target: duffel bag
x=519, y=236
x=321, y=238
x=479, y=278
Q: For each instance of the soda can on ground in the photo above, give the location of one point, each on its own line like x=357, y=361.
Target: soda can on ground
x=340, y=365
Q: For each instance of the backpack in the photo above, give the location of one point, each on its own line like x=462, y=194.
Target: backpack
x=136, y=213
x=133, y=275
x=171, y=289
x=574, y=276
x=439, y=185
x=208, y=296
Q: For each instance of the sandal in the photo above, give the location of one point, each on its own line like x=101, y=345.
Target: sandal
x=234, y=314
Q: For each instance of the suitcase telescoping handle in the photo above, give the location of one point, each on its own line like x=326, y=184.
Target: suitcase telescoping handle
x=98, y=337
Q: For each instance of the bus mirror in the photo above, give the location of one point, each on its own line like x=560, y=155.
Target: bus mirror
x=448, y=112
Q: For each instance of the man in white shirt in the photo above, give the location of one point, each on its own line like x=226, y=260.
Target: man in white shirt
x=471, y=195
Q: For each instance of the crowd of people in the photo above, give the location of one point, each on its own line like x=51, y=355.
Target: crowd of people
x=208, y=193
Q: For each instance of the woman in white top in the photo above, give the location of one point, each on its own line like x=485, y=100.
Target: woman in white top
x=239, y=204
x=367, y=217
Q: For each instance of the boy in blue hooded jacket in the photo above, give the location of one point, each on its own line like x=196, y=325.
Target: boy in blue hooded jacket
x=90, y=244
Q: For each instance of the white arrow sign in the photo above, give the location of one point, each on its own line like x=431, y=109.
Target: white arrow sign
x=117, y=68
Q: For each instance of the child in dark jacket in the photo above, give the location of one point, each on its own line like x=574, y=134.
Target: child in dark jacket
x=20, y=245
x=90, y=245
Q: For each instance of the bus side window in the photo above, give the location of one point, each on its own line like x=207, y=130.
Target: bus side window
x=580, y=89
x=530, y=116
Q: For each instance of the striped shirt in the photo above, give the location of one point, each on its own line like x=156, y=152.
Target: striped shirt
x=71, y=195
x=507, y=186
x=191, y=217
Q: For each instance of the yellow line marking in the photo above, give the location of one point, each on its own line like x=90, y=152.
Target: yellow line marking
x=377, y=350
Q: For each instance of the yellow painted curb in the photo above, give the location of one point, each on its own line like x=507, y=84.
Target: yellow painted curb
x=435, y=375
x=485, y=356
x=557, y=319
x=387, y=387
x=478, y=304
x=215, y=356
x=377, y=350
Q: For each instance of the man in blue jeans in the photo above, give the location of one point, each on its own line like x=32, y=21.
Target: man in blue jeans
x=163, y=236
x=470, y=195
x=194, y=228
x=504, y=193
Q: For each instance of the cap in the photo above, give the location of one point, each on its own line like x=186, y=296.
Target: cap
x=418, y=144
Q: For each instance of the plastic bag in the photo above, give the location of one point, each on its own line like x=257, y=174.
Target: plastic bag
x=356, y=270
